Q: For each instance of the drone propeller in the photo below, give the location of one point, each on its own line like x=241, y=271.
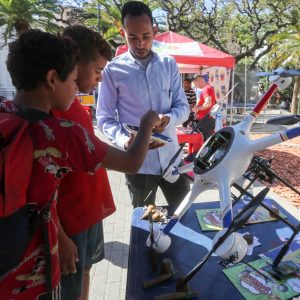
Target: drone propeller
x=281, y=72
x=237, y=223
x=284, y=120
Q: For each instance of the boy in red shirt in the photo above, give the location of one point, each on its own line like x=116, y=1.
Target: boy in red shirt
x=205, y=103
x=43, y=69
x=80, y=196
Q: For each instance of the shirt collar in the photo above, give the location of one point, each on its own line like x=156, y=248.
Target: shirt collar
x=133, y=59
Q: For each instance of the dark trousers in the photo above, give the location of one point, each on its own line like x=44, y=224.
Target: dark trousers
x=189, y=120
x=140, y=185
x=205, y=126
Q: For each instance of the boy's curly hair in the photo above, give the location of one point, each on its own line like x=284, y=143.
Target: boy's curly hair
x=35, y=53
x=91, y=43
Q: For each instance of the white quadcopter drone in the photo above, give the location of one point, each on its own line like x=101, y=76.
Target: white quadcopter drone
x=225, y=157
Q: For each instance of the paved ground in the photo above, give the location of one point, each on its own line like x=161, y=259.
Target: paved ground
x=108, y=280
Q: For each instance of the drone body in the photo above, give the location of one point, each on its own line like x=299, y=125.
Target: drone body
x=226, y=155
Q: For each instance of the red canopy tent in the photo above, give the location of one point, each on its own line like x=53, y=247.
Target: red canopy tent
x=187, y=51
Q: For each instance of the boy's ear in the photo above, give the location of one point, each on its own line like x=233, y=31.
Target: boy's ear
x=51, y=79
x=122, y=32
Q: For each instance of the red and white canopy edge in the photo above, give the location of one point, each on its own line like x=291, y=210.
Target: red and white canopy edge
x=193, y=57
x=189, y=54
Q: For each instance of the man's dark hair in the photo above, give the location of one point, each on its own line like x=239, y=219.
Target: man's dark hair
x=35, y=53
x=188, y=80
x=136, y=9
x=91, y=43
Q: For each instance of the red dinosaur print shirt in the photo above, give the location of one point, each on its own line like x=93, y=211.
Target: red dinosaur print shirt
x=59, y=147
x=91, y=201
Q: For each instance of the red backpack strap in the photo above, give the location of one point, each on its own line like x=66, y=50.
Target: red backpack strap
x=15, y=162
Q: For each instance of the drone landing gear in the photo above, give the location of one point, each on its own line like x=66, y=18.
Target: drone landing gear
x=283, y=269
x=261, y=169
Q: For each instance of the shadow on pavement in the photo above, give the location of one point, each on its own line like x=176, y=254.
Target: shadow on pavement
x=117, y=253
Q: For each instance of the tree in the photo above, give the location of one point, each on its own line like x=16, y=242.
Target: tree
x=286, y=52
x=106, y=14
x=217, y=22
x=18, y=16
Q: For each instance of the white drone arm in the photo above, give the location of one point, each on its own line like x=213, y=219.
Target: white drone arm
x=276, y=138
x=197, y=189
x=225, y=202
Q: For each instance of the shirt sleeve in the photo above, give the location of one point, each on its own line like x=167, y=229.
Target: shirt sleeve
x=107, y=110
x=180, y=110
x=85, y=151
x=207, y=92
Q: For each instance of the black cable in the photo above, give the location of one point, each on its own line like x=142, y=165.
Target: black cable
x=173, y=159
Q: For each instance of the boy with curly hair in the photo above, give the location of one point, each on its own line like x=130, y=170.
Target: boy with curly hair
x=43, y=69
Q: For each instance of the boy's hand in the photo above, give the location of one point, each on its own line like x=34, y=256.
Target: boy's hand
x=129, y=142
x=68, y=255
x=164, y=121
x=150, y=118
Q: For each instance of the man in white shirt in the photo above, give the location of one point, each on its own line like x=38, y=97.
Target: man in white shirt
x=133, y=83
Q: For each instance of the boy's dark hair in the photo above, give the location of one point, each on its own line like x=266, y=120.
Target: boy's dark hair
x=136, y=9
x=188, y=80
x=35, y=53
x=91, y=43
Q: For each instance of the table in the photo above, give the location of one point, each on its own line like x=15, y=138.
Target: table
x=210, y=282
x=185, y=135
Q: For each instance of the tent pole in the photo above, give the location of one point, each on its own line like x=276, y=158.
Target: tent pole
x=231, y=102
x=245, y=86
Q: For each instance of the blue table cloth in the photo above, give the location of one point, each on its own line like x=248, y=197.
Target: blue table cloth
x=189, y=245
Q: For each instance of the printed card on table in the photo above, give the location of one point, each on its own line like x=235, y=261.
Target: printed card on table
x=210, y=219
x=253, y=285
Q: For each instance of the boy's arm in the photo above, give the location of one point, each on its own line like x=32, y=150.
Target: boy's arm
x=106, y=111
x=131, y=160
x=88, y=153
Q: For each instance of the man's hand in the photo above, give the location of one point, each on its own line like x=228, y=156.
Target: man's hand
x=68, y=254
x=164, y=121
x=152, y=145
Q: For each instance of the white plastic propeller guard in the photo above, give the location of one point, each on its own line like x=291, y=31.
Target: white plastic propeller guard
x=234, y=246
x=161, y=243
x=281, y=82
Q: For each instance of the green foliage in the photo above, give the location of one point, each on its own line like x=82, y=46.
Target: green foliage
x=223, y=23
x=286, y=53
x=110, y=18
x=18, y=16
x=286, y=48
